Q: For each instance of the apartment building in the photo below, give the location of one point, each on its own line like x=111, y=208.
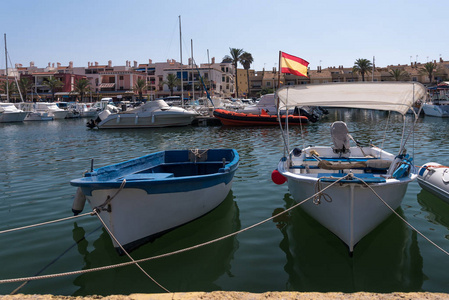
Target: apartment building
x=118, y=82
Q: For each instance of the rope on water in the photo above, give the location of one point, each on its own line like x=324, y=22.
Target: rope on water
x=166, y=254
x=403, y=220
x=127, y=254
x=45, y=223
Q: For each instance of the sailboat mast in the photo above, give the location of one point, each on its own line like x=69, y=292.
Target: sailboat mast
x=193, y=81
x=180, y=50
x=6, y=70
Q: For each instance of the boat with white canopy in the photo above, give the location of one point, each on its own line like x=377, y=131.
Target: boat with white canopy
x=152, y=114
x=354, y=188
x=9, y=113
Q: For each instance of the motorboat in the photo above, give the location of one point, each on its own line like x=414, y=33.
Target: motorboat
x=71, y=108
x=142, y=198
x=350, y=190
x=267, y=105
x=9, y=113
x=438, y=104
x=51, y=109
x=434, y=177
x=155, y=113
x=32, y=114
x=233, y=118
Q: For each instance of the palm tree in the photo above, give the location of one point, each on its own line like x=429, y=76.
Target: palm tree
x=172, y=82
x=140, y=86
x=362, y=66
x=82, y=87
x=428, y=69
x=9, y=86
x=236, y=56
x=398, y=74
x=25, y=85
x=52, y=83
x=246, y=59
x=203, y=82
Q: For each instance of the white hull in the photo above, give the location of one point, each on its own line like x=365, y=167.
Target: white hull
x=433, y=110
x=434, y=178
x=10, y=117
x=89, y=114
x=135, y=215
x=57, y=115
x=354, y=210
x=35, y=116
x=351, y=210
x=159, y=119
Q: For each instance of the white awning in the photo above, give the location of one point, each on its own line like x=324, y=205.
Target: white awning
x=394, y=96
x=107, y=85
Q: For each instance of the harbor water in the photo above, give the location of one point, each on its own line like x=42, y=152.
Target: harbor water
x=290, y=253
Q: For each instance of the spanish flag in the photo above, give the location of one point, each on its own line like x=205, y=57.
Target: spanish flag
x=293, y=65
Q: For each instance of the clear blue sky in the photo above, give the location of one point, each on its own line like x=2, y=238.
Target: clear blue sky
x=329, y=33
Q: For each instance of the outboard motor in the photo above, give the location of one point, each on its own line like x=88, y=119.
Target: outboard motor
x=340, y=137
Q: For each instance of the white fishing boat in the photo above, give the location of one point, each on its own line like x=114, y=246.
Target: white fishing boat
x=143, y=198
x=434, y=177
x=9, y=113
x=351, y=207
x=155, y=113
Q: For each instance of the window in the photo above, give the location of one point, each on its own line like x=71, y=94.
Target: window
x=121, y=77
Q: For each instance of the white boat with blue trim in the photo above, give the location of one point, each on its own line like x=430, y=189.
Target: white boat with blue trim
x=349, y=208
x=143, y=198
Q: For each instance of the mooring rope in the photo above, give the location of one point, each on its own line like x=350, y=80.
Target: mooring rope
x=126, y=252
x=45, y=223
x=402, y=219
x=169, y=253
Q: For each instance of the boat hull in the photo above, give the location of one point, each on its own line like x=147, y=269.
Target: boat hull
x=35, y=116
x=434, y=178
x=136, y=217
x=160, y=119
x=231, y=118
x=158, y=192
x=349, y=208
x=10, y=117
x=433, y=110
x=354, y=210
x=58, y=115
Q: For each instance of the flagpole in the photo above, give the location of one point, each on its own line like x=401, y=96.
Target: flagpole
x=279, y=74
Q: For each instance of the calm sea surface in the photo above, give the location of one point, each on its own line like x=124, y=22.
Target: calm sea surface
x=292, y=253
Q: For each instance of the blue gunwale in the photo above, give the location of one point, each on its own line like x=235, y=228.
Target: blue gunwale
x=366, y=177
x=138, y=172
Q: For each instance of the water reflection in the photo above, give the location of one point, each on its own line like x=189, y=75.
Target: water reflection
x=195, y=270
x=386, y=260
x=437, y=209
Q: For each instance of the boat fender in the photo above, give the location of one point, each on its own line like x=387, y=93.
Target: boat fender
x=78, y=202
x=277, y=177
